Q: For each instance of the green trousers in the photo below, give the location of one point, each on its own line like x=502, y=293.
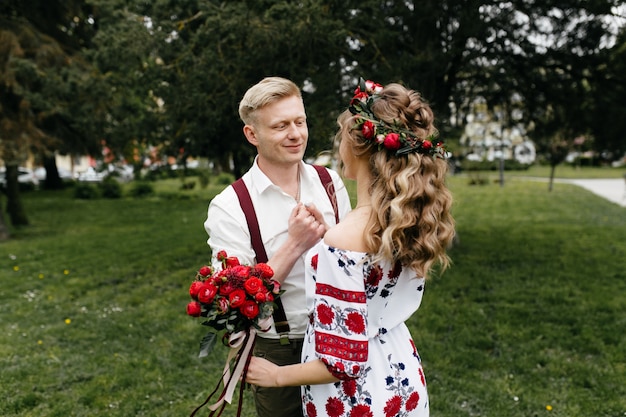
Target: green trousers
x=278, y=402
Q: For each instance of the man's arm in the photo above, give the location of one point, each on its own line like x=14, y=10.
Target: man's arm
x=304, y=231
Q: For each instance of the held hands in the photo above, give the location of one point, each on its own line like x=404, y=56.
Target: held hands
x=306, y=225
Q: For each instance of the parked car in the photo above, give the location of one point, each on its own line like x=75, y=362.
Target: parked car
x=64, y=174
x=91, y=175
x=25, y=176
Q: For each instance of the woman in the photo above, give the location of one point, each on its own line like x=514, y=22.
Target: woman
x=366, y=277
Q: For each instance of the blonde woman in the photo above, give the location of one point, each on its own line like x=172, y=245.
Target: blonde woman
x=366, y=277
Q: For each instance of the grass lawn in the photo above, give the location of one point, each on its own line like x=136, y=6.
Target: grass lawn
x=529, y=321
x=563, y=171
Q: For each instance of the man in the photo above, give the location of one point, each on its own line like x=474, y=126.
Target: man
x=293, y=209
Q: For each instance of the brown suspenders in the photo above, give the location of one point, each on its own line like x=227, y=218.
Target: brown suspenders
x=280, y=320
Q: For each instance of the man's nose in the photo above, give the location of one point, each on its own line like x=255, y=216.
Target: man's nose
x=293, y=131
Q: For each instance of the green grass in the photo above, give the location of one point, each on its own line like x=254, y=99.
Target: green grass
x=564, y=171
x=532, y=312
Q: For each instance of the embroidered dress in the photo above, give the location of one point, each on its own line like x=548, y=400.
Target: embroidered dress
x=358, y=310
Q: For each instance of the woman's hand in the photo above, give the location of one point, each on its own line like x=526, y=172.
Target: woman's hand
x=262, y=373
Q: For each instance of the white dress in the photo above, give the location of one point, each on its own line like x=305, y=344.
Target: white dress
x=356, y=327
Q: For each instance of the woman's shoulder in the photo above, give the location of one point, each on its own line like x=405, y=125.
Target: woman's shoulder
x=348, y=234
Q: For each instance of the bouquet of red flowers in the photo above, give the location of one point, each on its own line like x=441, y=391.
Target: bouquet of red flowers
x=235, y=302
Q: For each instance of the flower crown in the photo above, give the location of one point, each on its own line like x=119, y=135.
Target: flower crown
x=390, y=137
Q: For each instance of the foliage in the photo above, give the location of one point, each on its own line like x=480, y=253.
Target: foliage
x=141, y=189
x=86, y=191
x=110, y=188
x=133, y=74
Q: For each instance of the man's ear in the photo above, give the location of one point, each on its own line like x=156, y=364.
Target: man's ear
x=250, y=134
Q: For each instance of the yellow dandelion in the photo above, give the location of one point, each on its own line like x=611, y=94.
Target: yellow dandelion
x=16, y=268
x=40, y=342
x=66, y=272
x=40, y=276
x=549, y=407
x=68, y=321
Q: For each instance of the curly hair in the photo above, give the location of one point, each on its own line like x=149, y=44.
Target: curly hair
x=410, y=222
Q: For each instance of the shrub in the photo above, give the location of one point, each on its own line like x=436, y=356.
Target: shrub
x=224, y=179
x=141, y=189
x=85, y=191
x=188, y=185
x=110, y=188
x=204, y=176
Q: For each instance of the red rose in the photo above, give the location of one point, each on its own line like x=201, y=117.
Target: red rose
x=355, y=323
x=231, y=262
x=412, y=401
x=334, y=407
x=194, y=289
x=205, y=271
x=207, y=293
x=219, y=279
x=222, y=305
x=314, y=261
x=392, y=141
x=427, y=144
x=325, y=314
x=269, y=297
x=373, y=87
x=368, y=129
x=361, y=410
x=276, y=287
x=264, y=270
x=236, y=298
x=240, y=271
x=221, y=255
x=194, y=309
x=393, y=406
x=226, y=288
x=359, y=96
x=253, y=285
x=260, y=297
x=250, y=309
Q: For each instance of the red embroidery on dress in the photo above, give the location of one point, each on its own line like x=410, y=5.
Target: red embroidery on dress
x=342, y=295
x=341, y=348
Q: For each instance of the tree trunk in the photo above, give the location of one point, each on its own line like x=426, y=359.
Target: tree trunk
x=14, y=202
x=4, y=230
x=53, y=180
x=552, y=170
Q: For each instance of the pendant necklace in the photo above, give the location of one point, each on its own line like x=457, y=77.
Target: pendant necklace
x=298, y=190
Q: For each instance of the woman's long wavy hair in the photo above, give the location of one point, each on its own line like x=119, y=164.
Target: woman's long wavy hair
x=410, y=220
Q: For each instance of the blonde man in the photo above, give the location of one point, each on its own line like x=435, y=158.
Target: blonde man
x=293, y=210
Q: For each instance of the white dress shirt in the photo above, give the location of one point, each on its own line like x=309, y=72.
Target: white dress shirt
x=228, y=230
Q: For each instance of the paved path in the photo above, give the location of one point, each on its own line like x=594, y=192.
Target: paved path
x=612, y=189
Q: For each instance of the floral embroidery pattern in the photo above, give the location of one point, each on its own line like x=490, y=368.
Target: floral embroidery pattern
x=378, y=367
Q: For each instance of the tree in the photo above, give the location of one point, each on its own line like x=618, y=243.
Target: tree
x=453, y=51
x=36, y=72
x=608, y=91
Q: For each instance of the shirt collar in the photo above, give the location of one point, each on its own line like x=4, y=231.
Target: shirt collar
x=260, y=181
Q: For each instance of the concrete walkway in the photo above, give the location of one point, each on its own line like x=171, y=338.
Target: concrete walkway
x=613, y=190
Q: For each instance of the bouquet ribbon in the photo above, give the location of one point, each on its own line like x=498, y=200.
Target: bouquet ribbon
x=241, y=344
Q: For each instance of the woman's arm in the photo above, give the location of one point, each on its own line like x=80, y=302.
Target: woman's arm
x=264, y=373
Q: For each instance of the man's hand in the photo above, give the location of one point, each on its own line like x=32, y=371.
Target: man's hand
x=306, y=226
